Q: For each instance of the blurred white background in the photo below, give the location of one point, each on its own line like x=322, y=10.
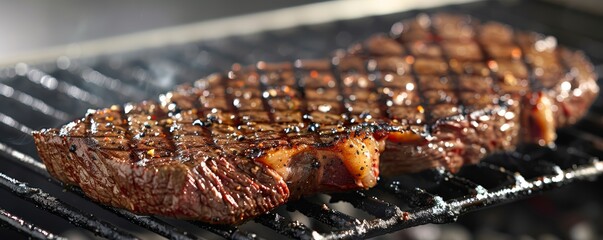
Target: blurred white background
x=28, y=25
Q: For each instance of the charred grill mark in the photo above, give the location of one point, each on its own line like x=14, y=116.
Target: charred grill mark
x=126, y=132
x=264, y=88
x=334, y=69
x=142, y=142
x=164, y=120
x=439, y=41
x=232, y=76
x=487, y=58
x=383, y=98
x=503, y=95
x=104, y=130
x=452, y=77
x=376, y=75
x=301, y=90
x=202, y=119
x=263, y=79
x=423, y=105
x=424, y=102
x=496, y=82
x=299, y=73
x=534, y=84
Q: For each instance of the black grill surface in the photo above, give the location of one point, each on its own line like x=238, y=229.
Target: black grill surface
x=50, y=94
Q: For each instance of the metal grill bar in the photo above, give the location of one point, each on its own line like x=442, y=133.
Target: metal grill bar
x=228, y=232
x=11, y=122
x=324, y=214
x=372, y=205
x=25, y=227
x=23, y=159
x=151, y=223
x=292, y=229
x=57, y=207
x=415, y=197
x=37, y=76
x=465, y=184
x=97, y=78
x=35, y=103
x=446, y=211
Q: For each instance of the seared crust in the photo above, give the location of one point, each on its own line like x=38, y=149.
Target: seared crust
x=442, y=92
x=217, y=190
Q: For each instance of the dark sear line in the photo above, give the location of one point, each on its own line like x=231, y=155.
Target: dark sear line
x=336, y=71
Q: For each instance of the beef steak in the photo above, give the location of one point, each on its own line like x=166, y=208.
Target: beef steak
x=438, y=91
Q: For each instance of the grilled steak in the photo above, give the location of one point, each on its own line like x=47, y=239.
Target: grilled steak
x=439, y=91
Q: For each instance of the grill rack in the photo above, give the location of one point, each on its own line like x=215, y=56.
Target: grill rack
x=410, y=200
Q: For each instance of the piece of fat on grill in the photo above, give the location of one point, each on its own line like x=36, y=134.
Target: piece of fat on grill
x=437, y=91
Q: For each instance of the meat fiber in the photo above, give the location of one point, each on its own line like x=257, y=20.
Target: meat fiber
x=438, y=91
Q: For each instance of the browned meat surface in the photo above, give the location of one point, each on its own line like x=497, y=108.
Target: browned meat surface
x=439, y=91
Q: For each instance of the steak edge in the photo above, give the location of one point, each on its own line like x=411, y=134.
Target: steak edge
x=438, y=91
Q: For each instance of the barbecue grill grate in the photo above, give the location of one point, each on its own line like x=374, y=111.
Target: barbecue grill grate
x=52, y=93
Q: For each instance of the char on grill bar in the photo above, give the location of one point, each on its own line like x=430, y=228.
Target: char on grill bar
x=438, y=91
